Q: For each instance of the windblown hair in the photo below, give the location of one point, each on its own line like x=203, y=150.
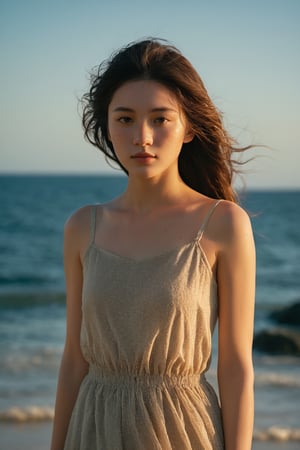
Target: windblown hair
x=205, y=164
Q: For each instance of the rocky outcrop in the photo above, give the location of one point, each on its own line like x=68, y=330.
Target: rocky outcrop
x=278, y=342
x=288, y=316
x=283, y=340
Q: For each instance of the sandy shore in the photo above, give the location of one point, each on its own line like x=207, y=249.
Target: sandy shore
x=37, y=437
x=271, y=445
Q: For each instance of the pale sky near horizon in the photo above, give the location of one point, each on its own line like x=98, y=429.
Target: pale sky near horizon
x=247, y=54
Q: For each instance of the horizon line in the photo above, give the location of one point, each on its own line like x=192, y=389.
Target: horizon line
x=119, y=173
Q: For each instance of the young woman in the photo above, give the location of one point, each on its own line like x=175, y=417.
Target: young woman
x=149, y=273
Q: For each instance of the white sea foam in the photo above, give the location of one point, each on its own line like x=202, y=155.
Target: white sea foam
x=46, y=358
x=277, y=434
x=277, y=379
x=42, y=414
x=33, y=413
x=267, y=378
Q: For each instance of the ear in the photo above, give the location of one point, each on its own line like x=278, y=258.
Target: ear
x=189, y=136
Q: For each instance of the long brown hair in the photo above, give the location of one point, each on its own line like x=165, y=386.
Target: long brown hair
x=206, y=163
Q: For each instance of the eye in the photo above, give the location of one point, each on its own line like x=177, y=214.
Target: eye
x=160, y=120
x=125, y=119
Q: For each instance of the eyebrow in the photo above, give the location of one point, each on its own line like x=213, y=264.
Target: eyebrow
x=160, y=109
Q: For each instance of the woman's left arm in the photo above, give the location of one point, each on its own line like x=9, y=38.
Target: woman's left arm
x=236, y=293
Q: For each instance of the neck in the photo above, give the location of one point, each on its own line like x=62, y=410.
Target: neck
x=144, y=195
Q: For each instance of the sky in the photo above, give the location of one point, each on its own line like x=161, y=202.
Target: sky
x=247, y=53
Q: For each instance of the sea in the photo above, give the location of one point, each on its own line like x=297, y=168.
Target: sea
x=33, y=210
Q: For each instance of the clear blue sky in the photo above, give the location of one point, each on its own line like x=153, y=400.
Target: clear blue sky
x=246, y=52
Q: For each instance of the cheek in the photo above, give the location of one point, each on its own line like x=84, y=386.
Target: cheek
x=116, y=134
x=175, y=136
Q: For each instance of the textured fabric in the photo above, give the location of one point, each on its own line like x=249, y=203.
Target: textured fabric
x=146, y=333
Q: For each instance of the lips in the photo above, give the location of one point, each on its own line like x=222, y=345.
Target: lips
x=143, y=155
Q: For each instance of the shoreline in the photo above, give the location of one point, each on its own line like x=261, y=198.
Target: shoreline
x=37, y=436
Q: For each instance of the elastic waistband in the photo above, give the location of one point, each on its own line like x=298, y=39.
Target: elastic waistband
x=144, y=379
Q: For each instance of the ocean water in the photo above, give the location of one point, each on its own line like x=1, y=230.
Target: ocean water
x=32, y=302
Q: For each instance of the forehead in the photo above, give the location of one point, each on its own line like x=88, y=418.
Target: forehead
x=148, y=93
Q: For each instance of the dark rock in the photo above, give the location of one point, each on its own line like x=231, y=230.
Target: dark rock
x=289, y=315
x=277, y=342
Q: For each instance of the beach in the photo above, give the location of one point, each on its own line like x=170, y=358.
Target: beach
x=32, y=305
x=38, y=436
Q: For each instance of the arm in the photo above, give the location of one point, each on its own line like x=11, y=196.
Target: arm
x=73, y=365
x=236, y=289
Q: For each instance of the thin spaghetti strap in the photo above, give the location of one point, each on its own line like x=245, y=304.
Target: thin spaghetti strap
x=93, y=224
x=206, y=220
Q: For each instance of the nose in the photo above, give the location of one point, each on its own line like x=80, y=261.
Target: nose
x=143, y=136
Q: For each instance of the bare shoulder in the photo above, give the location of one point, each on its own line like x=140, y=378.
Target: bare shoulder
x=78, y=219
x=233, y=215
x=232, y=224
x=77, y=229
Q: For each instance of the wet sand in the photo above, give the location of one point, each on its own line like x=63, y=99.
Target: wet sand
x=37, y=436
x=272, y=445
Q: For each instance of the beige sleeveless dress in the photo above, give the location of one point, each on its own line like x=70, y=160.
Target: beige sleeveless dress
x=146, y=333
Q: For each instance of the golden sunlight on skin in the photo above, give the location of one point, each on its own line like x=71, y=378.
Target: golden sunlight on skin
x=159, y=231
x=147, y=127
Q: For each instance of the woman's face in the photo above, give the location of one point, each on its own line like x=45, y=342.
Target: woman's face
x=147, y=127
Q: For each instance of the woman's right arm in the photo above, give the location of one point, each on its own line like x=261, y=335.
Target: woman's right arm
x=73, y=366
